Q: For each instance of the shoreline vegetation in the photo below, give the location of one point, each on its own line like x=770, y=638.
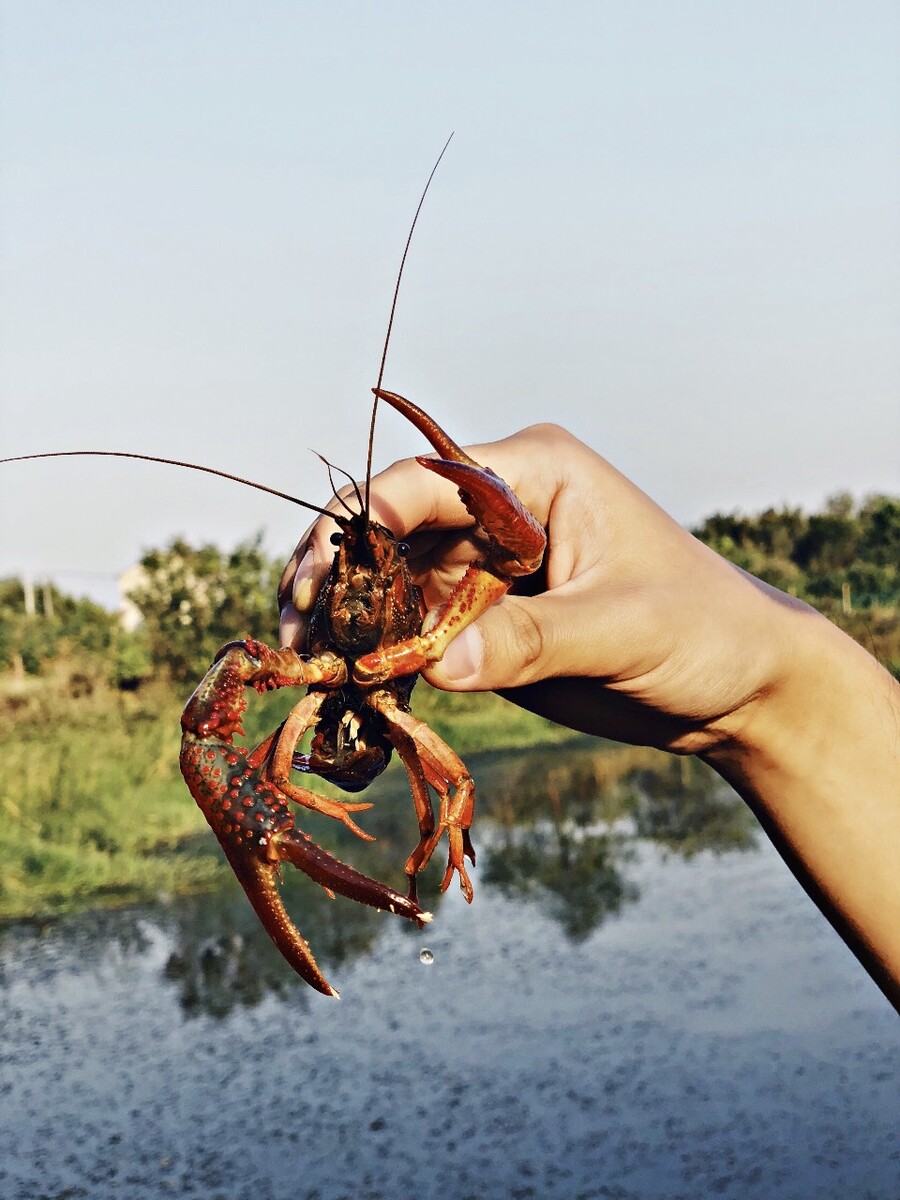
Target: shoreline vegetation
x=93, y=811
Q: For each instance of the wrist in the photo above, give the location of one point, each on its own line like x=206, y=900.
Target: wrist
x=820, y=685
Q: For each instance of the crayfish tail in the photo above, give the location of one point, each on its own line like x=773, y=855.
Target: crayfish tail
x=330, y=873
x=258, y=879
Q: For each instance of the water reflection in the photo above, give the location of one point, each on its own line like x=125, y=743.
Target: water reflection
x=556, y=847
x=567, y=826
x=557, y=828
x=222, y=958
x=721, y=1003
x=577, y=880
x=685, y=807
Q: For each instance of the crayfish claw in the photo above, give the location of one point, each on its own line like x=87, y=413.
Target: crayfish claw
x=329, y=872
x=517, y=538
x=258, y=879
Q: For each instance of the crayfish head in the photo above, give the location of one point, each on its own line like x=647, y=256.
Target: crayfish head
x=366, y=546
x=358, y=600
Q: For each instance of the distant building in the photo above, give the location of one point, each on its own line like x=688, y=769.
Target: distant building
x=130, y=616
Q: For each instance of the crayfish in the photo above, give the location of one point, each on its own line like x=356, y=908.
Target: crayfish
x=365, y=650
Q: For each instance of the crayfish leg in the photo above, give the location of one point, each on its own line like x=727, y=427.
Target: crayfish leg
x=279, y=751
x=474, y=594
x=418, y=786
x=428, y=757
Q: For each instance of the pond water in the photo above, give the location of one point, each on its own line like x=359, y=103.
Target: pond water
x=641, y=1003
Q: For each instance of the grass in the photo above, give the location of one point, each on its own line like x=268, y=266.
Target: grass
x=92, y=805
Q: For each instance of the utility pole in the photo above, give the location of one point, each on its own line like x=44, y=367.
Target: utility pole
x=28, y=589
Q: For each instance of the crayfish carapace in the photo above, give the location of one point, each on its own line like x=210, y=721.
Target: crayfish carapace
x=364, y=654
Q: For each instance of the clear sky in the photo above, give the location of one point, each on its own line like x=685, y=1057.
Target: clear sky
x=672, y=226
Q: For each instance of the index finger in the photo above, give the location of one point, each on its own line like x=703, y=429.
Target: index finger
x=404, y=497
x=407, y=498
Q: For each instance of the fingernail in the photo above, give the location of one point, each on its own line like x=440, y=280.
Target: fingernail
x=303, y=591
x=464, y=655
x=289, y=626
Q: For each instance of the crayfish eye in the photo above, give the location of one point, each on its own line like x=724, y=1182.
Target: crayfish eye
x=336, y=539
x=403, y=549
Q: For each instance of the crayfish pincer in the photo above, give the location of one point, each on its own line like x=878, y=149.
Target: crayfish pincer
x=365, y=651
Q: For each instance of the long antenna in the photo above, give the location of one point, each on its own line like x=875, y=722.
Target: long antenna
x=387, y=337
x=170, y=462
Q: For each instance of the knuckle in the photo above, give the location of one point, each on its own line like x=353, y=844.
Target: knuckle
x=546, y=434
x=527, y=641
x=545, y=429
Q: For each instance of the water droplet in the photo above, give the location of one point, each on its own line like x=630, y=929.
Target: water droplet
x=426, y=956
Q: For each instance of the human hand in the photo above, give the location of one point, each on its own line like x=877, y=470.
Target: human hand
x=637, y=631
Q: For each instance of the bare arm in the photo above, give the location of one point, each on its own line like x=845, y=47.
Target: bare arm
x=817, y=759
x=641, y=633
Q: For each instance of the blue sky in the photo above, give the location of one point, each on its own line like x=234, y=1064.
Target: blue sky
x=672, y=227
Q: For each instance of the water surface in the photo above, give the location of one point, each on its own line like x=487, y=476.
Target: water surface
x=641, y=1003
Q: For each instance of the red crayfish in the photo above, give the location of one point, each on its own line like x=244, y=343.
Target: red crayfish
x=365, y=650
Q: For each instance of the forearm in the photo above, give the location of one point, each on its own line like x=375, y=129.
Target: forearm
x=818, y=759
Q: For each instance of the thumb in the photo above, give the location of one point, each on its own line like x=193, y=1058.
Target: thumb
x=506, y=647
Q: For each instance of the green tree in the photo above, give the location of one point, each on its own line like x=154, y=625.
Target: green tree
x=131, y=662
x=777, y=530
x=59, y=623
x=194, y=600
x=880, y=520
x=845, y=554
x=830, y=544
